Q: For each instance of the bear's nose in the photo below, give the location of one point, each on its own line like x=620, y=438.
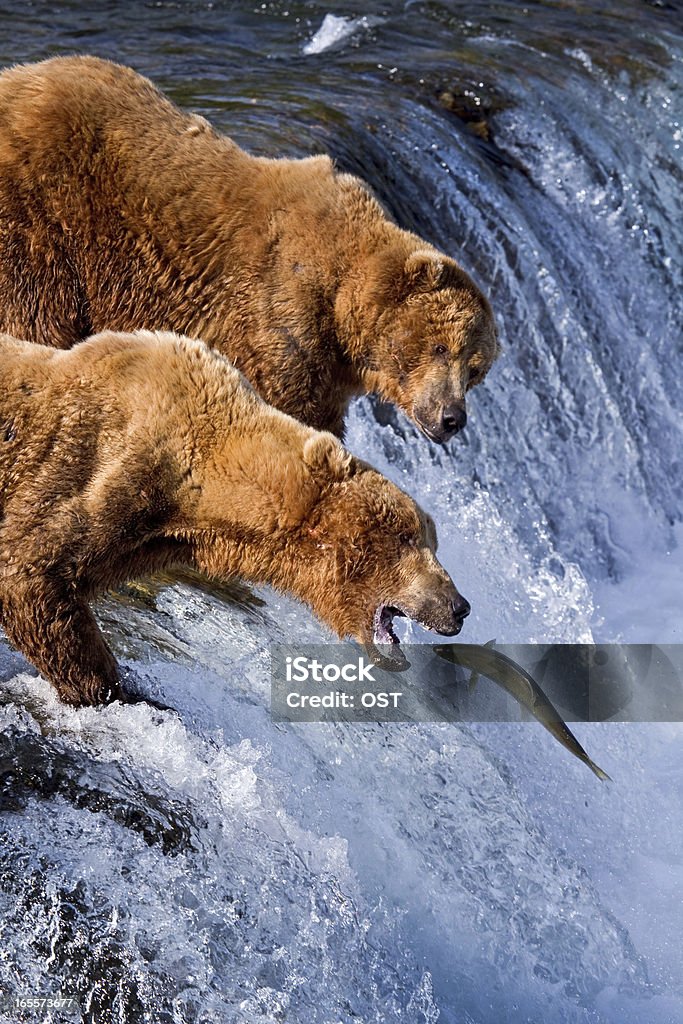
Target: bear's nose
x=461, y=608
x=453, y=418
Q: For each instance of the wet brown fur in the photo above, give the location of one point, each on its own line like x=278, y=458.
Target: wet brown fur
x=118, y=211
x=133, y=453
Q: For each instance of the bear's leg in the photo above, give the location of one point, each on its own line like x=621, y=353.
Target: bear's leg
x=57, y=632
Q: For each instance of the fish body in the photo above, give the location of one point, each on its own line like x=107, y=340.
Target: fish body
x=485, y=660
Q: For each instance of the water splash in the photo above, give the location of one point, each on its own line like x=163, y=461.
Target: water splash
x=335, y=29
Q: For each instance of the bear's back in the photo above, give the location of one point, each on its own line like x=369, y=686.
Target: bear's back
x=113, y=396
x=66, y=92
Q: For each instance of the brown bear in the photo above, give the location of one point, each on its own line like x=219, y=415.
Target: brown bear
x=120, y=212
x=133, y=453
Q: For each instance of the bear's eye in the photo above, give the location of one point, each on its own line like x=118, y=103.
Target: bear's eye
x=440, y=350
x=407, y=540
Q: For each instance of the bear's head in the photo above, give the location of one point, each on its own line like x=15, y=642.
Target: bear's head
x=428, y=336
x=375, y=552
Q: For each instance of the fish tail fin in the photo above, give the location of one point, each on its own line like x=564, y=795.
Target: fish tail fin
x=603, y=776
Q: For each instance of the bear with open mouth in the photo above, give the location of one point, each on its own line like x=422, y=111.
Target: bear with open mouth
x=132, y=453
x=118, y=211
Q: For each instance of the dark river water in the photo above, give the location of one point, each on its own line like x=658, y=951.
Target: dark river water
x=213, y=866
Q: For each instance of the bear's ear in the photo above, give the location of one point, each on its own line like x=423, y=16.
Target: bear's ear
x=326, y=458
x=423, y=271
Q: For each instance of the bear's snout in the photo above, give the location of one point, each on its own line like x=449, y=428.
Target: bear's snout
x=446, y=616
x=444, y=422
x=442, y=609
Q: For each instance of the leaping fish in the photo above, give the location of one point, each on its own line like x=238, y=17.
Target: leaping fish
x=485, y=660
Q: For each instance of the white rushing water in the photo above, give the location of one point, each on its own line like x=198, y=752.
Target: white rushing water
x=211, y=866
x=334, y=30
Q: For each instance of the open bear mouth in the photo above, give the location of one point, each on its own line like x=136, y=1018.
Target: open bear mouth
x=383, y=632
